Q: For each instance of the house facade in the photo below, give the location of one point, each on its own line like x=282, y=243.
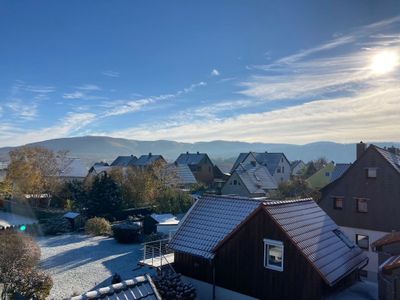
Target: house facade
x=365, y=200
x=277, y=163
x=322, y=177
x=265, y=249
x=200, y=164
x=252, y=180
x=297, y=167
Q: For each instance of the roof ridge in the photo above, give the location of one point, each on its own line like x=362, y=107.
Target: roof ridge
x=288, y=201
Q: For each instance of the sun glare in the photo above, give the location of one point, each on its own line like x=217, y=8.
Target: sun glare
x=384, y=62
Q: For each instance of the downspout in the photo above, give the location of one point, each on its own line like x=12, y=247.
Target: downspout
x=213, y=278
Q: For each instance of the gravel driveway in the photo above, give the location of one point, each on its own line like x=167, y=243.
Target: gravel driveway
x=79, y=263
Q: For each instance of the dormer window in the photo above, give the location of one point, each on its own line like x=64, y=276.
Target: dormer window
x=273, y=255
x=371, y=172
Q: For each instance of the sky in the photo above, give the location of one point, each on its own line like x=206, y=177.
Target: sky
x=255, y=71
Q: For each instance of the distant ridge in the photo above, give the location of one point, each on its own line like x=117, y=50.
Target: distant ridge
x=96, y=148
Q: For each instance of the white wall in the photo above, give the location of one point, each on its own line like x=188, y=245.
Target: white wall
x=166, y=228
x=373, y=235
x=204, y=291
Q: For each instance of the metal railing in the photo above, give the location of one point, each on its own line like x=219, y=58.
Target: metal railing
x=155, y=253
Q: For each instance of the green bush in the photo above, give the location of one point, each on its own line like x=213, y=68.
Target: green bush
x=98, y=226
x=56, y=226
x=127, y=232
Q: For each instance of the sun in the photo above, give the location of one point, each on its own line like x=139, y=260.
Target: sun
x=384, y=62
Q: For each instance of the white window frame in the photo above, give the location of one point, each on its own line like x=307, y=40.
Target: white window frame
x=267, y=243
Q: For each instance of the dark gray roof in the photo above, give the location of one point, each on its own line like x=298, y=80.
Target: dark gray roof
x=191, y=158
x=71, y=167
x=141, y=287
x=339, y=171
x=256, y=178
x=147, y=160
x=268, y=159
x=213, y=219
x=392, y=158
x=313, y=232
x=209, y=221
x=185, y=175
x=239, y=160
x=124, y=161
x=295, y=163
x=180, y=174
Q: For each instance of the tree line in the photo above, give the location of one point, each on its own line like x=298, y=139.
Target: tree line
x=33, y=173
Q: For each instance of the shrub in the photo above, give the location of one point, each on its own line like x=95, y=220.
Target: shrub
x=56, y=226
x=128, y=232
x=98, y=226
x=19, y=273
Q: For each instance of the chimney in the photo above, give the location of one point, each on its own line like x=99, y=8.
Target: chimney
x=361, y=147
x=150, y=154
x=198, y=152
x=187, y=152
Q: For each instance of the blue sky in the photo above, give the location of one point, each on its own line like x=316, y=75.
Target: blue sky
x=266, y=71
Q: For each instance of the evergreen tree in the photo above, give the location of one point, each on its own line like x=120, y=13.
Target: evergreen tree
x=104, y=198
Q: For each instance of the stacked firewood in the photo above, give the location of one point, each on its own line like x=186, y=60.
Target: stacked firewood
x=171, y=286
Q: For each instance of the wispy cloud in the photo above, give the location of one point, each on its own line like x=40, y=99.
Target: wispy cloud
x=342, y=119
x=89, y=87
x=215, y=72
x=21, y=110
x=130, y=106
x=74, y=95
x=71, y=124
x=110, y=73
x=84, y=92
x=335, y=95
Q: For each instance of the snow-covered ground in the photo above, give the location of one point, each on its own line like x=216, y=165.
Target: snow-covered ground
x=7, y=219
x=79, y=263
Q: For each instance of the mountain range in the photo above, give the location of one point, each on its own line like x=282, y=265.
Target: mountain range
x=99, y=148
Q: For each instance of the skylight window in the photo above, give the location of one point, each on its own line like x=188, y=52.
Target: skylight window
x=344, y=238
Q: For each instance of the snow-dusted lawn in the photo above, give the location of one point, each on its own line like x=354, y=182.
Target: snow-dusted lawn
x=7, y=219
x=79, y=263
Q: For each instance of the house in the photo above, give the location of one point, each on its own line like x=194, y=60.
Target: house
x=71, y=168
x=220, y=178
x=99, y=168
x=149, y=160
x=297, y=168
x=124, y=161
x=277, y=163
x=200, y=165
x=388, y=249
x=141, y=287
x=243, y=248
x=365, y=200
x=160, y=223
x=339, y=170
x=178, y=175
x=251, y=180
x=322, y=177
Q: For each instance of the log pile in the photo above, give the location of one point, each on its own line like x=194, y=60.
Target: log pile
x=170, y=286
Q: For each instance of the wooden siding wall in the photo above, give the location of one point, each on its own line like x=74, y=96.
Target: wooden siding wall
x=203, y=172
x=239, y=265
x=383, y=192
